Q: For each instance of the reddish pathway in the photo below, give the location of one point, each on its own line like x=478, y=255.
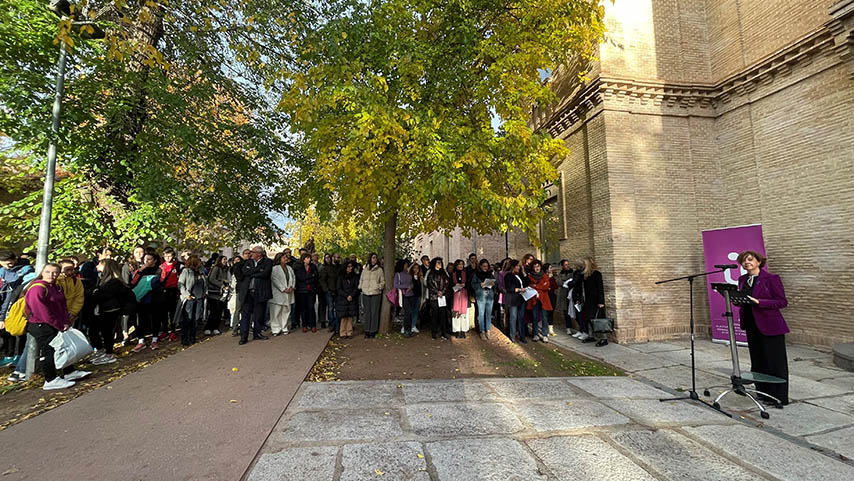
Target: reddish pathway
x=174, y=420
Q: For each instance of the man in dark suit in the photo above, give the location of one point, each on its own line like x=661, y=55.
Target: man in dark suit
x=255, y=290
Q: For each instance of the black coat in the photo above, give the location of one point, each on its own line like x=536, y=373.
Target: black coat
x=261, y=273
x=438, y=282
x=306, y=281
x=594, y=292
x=348, y=285
x=511, y=283
x=114, y=296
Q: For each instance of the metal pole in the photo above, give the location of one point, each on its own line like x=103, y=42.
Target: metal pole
x=47, y=199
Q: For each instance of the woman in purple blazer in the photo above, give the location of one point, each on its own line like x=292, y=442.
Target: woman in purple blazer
x=764, y=325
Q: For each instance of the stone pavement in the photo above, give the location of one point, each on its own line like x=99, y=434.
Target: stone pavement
x=821, y=412
x=200, y=414
x=596, y=428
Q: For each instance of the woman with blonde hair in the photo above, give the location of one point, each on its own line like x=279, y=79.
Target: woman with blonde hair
x=593, y=292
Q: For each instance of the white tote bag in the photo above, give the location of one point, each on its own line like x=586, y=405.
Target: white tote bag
x=69, y=347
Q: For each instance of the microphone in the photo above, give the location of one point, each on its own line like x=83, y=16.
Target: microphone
x=726, y=266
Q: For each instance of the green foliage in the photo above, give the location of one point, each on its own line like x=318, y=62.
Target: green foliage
x=166, y=132
x=394, y=101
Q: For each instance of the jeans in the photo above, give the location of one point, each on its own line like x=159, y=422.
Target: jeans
x=330, y=311
x=305, y=304
x=540, y=322
x=516, y=321
x=410, y=313
x=103, y=331
x=189, y=320
x=484, y=313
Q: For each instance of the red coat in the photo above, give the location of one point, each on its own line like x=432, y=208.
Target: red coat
x=542, y=287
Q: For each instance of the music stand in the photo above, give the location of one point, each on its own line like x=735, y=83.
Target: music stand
x=692, y=394
x=740, y=379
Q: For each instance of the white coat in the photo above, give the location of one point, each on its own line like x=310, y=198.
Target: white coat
x=282, y=280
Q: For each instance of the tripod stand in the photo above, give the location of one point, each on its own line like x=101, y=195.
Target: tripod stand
x=692, y=394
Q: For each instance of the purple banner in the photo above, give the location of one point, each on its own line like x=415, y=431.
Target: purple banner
x=722, y=246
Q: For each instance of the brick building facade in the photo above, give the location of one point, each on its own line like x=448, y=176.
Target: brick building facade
x=702, y=114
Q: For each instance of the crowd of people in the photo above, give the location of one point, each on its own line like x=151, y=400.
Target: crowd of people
x=152, y=296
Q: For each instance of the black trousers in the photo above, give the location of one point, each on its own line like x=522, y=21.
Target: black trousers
x=12, y=345
x=168, y=304
x=252, y=311
x=768, y=356
x=438, y=318
x=145, y=320
x=217, y=307
x=305, y=306
x=43, y=334
x=103, y=330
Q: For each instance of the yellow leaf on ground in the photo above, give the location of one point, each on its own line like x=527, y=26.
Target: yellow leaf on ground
x=379, y=473
x=234, y=369
x=420, y=456
x=233, y=401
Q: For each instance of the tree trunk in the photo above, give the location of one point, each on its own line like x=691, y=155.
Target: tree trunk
x=389, y=238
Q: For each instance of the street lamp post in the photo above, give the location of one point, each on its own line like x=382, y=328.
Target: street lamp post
x=63, y=10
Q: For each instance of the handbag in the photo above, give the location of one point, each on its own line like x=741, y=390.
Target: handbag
x=394, y=296
x=69, y=347
x=602, y=325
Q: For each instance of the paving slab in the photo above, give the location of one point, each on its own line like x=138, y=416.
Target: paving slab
x=296, y=464
x=515, y=389
x=812, y=369
x=802, y=418
x=840, y=441
x=622, y=387
x=386, y=461
x=843, y=382
x=146, y=423
x=631, y=360
x=678, y=458
x=340, y=425
x=442, y=420
x=841, y=404
x=585, y=458
x=700, y=357
x=650, y=347
x=652, y=412
x=563, y=415
x=795, y=352
x=318, y=395
x=784, y=460
x=429, y=392
x=483, y=460
x=679, y=377
x=803, y=388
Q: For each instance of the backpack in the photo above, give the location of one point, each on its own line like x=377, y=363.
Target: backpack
x=16, y=320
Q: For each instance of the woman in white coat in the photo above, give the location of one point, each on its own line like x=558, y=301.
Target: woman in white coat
x=282, y=279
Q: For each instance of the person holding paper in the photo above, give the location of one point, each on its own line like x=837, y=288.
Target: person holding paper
x=483, y=283
x=438, y=284
x=764, y=325
x=539, y=281
x=460, y=320
x=514, y=285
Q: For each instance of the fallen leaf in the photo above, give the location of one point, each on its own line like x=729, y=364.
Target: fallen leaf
x=234, y=369
x=11, y=471
x=420, y=456
x=233, y=401
x=379, y=473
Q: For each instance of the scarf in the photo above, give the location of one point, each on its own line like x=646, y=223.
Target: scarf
x=537, y=275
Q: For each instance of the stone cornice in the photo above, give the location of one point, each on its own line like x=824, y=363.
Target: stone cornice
x=841, y=26
x=708, y=100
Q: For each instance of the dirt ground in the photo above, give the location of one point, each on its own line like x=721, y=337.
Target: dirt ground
x=21, y=401
x=420, y=357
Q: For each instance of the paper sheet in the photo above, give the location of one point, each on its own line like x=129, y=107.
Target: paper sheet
x=442, y=302
x=457, y=287
x=487, y=284
x=528, y=293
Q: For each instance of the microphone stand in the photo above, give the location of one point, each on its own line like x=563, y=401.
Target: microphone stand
x=692, y=394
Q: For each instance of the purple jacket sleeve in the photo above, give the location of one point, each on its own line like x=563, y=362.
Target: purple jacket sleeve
x=777, y=299
x=42, y=308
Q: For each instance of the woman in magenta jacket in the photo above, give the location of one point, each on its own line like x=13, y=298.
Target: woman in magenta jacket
x=47, y=314
x=764, y=325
